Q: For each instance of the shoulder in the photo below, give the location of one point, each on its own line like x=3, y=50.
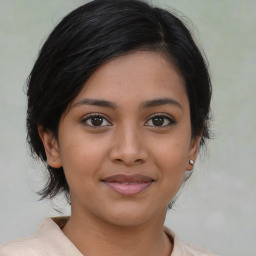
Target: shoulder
x=181, y=248
x=32, y=245
x=48, y=240
x=193, y=250
x=29, y=246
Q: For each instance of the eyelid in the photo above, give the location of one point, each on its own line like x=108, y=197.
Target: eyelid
x=88, y=116
x=164, y=115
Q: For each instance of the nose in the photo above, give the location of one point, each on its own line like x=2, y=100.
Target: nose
x=128, y=147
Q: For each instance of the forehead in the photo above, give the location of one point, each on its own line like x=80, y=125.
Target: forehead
x=135, y=77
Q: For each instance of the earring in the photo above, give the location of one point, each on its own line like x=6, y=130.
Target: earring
x=191, y=162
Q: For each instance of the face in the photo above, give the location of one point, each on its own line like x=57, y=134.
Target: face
x=125, y=142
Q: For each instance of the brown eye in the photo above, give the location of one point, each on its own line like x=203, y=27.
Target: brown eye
x=160, y=121
x=96, y=121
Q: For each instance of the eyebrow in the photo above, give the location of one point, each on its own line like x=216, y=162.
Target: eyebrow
x=96, y=102
x=160, y=102
x=146, y=104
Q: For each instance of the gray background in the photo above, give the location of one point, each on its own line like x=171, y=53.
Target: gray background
x=217, y=207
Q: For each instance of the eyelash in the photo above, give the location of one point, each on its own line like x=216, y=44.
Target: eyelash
x=169, y=119
x=85, y=120
x=95, y=115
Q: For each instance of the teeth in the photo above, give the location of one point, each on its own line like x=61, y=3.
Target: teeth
x=130, y=183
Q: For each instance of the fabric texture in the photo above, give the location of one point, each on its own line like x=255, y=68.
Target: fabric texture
x=49, y=240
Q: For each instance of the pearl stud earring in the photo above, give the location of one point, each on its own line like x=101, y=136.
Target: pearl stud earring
x=191, y=162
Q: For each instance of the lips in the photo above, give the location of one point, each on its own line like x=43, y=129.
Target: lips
x=128, y=184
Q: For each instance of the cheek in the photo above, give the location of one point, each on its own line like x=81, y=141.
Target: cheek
x=172, y=154
x=80, y=160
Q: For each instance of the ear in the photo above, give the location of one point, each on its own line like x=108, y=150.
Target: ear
x=193, y=151
x=51, y=147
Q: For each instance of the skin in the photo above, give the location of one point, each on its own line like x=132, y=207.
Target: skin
x=128, y=141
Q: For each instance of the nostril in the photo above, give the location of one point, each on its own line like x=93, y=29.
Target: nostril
x=128, y=154
x=129, y=162
x=139, y=160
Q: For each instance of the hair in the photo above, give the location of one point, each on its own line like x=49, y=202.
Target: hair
x=90, y=36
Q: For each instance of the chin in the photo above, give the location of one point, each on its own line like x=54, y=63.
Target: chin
x=130, y=215
x=126, y=221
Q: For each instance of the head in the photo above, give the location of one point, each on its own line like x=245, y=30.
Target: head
x=87, y=39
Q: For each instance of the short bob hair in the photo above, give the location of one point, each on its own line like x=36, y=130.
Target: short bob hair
x=90, y=36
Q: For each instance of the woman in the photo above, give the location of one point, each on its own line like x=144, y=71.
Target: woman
x=118, y=107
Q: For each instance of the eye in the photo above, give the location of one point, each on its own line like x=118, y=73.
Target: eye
x=96, y=120
x=160, y=121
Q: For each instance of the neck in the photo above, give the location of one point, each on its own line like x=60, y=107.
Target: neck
x=96, y=237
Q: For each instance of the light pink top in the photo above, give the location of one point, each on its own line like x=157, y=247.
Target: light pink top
x=49, y=240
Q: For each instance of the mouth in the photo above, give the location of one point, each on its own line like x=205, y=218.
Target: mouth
x=128, y=184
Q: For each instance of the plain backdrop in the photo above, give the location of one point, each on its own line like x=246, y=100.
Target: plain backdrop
x=216, y=209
